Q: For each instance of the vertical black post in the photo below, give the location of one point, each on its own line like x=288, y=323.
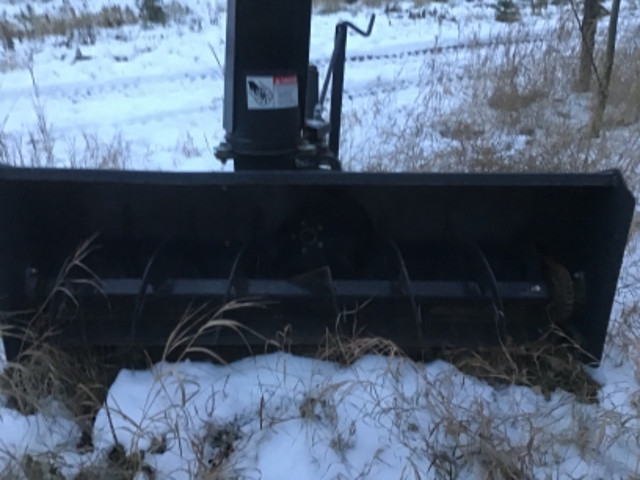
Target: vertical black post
x=313, y=82
x=337, y=87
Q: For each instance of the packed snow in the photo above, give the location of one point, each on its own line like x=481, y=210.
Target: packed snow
x=155, y=95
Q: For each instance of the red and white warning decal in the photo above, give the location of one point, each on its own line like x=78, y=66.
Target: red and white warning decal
x=272, y=92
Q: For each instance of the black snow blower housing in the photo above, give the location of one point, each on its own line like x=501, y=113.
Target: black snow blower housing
x=422, y=259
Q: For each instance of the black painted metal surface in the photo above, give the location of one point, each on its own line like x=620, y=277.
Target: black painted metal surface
x=424, y=259
x=266, y=62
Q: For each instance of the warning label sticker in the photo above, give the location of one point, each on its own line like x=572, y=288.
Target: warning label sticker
x=272, y=92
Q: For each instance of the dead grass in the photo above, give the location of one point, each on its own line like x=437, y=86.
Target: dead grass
x=40, y=371
x=507, y=108
x=554, y=362
x=510, y=99
x=329, y=6
x=78, y=378
x=348, y=350
x=467, y=438
x=67, y=22
x=115, y=154
x=40, y=147
x=200, y=321
x=545, y=367
x=332, y=6
x=623, y=107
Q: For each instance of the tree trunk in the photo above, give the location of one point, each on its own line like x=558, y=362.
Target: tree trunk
x=588, y=34
x=603, y=88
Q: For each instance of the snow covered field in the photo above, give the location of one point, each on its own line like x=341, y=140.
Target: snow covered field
x=448, y=89
x=156, y=94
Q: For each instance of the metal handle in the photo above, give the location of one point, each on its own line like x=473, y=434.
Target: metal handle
x=358, y=30
x=340, y=45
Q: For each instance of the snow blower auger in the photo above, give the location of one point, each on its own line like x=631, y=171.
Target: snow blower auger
x=422, y=259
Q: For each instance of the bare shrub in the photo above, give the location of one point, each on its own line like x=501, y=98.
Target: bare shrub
x=8, y=35
x=529, y=96
x=514, y=110
x=523, y=73
x=152, y=11
x=624, y=89
x=511, y=100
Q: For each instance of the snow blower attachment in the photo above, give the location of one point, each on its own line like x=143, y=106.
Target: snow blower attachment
x=422, y=259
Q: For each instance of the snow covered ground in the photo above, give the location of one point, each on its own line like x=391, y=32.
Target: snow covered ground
x=157, y=93
x=153, y=98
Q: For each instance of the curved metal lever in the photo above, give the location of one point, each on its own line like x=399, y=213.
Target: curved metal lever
x=338, y=50
x=359, y=30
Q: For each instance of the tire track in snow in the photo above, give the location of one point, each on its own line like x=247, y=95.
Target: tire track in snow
x=438, y=49
x=115, y=85
x=182, y=114
x=210, y=80
x=122, y=84
x=149, y=102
